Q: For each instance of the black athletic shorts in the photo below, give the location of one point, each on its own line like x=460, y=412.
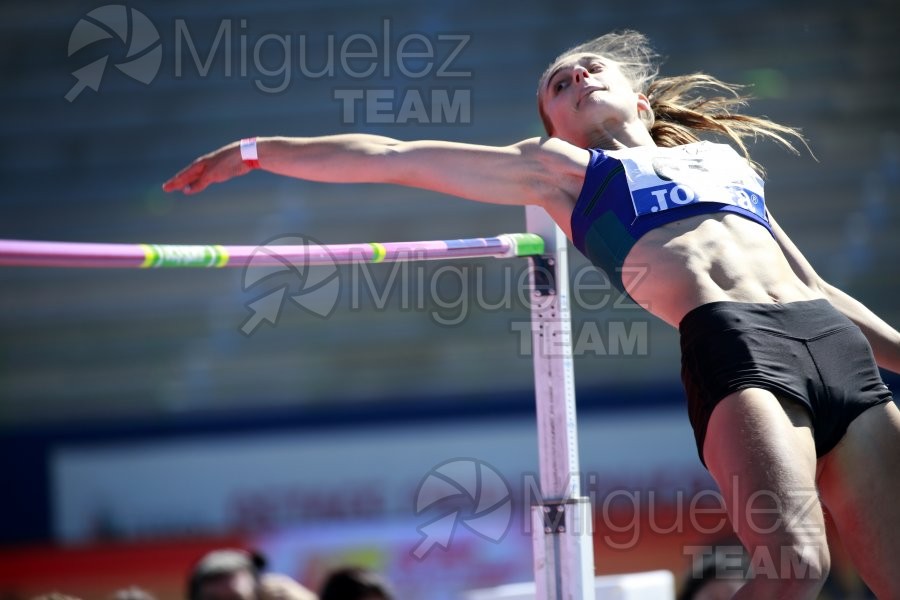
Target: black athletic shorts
x=806, y=351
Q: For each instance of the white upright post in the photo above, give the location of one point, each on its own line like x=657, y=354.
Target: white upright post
x=561, y=519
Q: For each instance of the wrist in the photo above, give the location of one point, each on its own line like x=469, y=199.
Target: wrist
x=249, y=153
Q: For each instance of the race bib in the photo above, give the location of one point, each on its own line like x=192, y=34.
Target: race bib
x=663, y=178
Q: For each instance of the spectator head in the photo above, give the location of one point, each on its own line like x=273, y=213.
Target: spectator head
x=353, y=583
x=132, y=593
x=230, y=574
x=274, y=586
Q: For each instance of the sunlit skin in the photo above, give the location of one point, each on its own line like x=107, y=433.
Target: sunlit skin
x=752, y=434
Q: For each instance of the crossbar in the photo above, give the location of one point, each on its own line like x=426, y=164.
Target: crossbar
x=21, y=253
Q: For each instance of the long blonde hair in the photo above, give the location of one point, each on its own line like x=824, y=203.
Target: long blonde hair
x=682, y=106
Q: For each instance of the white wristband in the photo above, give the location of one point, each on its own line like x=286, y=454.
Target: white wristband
x=248, y=152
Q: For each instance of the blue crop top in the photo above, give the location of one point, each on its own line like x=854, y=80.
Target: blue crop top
x=627, y=193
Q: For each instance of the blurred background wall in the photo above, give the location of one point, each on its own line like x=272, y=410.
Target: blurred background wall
x=141, y=408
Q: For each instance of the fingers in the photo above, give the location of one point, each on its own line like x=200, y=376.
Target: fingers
x=215, y=167
x=188, y=180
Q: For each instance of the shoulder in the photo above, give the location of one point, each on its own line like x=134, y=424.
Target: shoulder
x=555, y=153
x=556, y=163
x=556, y=173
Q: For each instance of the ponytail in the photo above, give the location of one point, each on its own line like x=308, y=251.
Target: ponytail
x=684, y=106
x=681, y=111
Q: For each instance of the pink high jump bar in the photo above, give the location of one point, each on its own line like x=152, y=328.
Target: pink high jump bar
x=20, y=253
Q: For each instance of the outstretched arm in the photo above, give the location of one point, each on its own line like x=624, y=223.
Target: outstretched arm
x=534, y=171
x=884, y=339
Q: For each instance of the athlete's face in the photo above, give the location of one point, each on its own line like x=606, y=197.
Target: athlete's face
x=584, y=92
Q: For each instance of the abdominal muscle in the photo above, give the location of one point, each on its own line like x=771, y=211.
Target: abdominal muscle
x=709, y=258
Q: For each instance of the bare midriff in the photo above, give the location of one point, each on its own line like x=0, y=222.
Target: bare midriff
x=709, y=258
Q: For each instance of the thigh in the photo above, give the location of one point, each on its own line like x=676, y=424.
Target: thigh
x=860, y=485
x=762, y=455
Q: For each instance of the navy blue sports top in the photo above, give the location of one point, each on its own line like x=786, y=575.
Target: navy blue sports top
x=627, y=193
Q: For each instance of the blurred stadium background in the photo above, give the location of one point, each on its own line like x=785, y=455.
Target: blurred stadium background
x=140, y=426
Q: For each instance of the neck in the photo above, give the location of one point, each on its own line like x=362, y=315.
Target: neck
x=616, y=136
